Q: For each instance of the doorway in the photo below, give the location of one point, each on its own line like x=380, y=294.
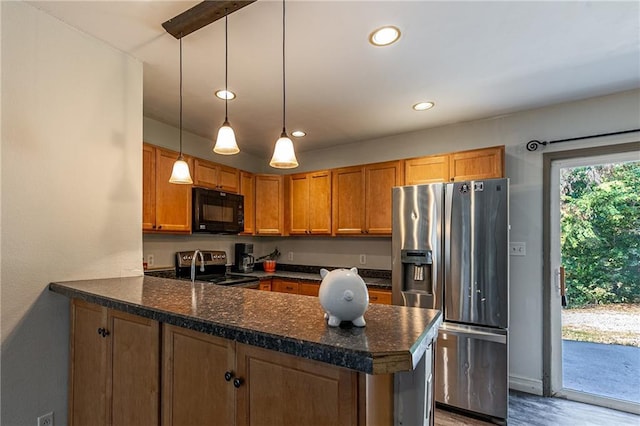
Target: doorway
x=591, y=354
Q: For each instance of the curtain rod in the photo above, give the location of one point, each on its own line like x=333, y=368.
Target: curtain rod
x=533, y=145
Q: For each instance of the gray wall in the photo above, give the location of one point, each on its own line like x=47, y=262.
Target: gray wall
x=591, y=116
x=71, y=197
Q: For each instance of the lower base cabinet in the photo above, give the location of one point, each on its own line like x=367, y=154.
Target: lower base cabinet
x=114, y=365
x=312, y=288
x=214, y=381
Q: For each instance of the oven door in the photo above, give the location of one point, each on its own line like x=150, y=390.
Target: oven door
x=217, y=212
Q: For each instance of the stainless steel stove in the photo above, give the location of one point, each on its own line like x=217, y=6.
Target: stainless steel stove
x=211, y=267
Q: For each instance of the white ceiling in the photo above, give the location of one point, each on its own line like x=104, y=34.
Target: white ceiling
x=473, y=59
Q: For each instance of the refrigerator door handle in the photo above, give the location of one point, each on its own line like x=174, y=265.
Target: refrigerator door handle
x=497, y=336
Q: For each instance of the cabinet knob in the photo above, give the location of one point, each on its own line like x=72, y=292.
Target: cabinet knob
x=228, y=376
x=160, y=227
x=103, y=332
x=237, y=382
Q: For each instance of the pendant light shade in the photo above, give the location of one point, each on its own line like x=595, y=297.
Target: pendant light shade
x=226, y=141
x=284, y=156
x=180, y=173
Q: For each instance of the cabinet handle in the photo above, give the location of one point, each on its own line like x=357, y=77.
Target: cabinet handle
x=153, y=227
x=160, y=227
x=289, y=287
x=237, y=382
x=103, y=332
x=374, y=298
x=228, y=376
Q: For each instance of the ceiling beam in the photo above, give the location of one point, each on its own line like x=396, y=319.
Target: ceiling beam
x=201, y=15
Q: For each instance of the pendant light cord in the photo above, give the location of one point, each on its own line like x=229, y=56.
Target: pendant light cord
x=284, y=87
x=180, y=95
x=226, y=63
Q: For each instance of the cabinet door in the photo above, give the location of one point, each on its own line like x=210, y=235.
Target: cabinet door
x=269, y=205
x=195, y=391
x=320, y=203
x=247, y=189
x=380, y=178
x=88, y=365
x=148, y=188
x=133, y=385
x=431, y=169
x=348, y=201
x=298, y=204
x=216, y=176
x=286, y=390
x=173, y=201
x=284, y=286
x=484, y=163
x=228, y=179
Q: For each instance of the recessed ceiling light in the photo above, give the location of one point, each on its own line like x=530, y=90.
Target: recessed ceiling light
x=225, y=94
x=384, y=36
x=298, y=133
x=422, y=106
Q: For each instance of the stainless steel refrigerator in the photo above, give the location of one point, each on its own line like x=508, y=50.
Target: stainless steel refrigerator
x=450, y=252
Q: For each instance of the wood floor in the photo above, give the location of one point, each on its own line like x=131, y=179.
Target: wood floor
x=532, y=410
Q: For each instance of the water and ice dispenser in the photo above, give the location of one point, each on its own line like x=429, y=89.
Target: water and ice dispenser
x=417, y=278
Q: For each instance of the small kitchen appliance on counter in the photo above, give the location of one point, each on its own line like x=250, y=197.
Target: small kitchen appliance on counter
x=214, y=263
x=244, y=258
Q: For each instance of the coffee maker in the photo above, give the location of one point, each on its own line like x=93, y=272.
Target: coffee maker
x=244, y=257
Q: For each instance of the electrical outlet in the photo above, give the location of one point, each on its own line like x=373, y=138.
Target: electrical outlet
x=290, y=255
x=46, y=419
x=363, y=259
x=150, y=260
x=517, y=249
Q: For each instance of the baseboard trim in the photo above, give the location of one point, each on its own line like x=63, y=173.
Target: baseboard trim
x=587, y=398
x=524, y=384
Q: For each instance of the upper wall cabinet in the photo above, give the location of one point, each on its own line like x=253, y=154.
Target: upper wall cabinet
x=431, y=169
x=486, y=163
x=477, y=164
x=166, y=206
x=309, y=208
x=269, y=198
x=248, y=190
x=216, y=176
x=361, y=198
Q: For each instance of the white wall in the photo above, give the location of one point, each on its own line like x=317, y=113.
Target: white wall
x=592, y=116
x=71, y=193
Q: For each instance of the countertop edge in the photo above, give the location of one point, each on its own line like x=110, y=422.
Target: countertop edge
x=365, y=362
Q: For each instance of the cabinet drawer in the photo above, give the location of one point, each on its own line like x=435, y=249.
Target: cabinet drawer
x=380, y=296
x=285, y=286
x=309, y=288
x=265, y=285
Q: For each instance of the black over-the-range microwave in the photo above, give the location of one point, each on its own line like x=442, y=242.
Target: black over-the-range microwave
x=217, y=212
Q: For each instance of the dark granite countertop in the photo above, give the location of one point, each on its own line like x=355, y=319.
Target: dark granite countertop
x=394, y=339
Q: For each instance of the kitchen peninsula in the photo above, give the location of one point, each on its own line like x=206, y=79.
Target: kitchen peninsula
x=240, y=356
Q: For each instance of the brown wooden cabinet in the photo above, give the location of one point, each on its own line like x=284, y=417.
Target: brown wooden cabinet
x=283, y=285
x=309, y=208
x=483, y=163
x=216, y=176
x=247, y=189
x=269, y=197
x=194, y=389
x=380, y=296
x=431, y=169
x=312, y=288
x=361, y=198
x=281, y=389
x=114, y=365
x=265, y=285
x=166, y=206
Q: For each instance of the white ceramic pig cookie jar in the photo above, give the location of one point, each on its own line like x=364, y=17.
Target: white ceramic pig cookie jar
x=344, y=296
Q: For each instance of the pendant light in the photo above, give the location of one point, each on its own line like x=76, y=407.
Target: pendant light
x=284, y=156
x=226, y=141
x=180, y=173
